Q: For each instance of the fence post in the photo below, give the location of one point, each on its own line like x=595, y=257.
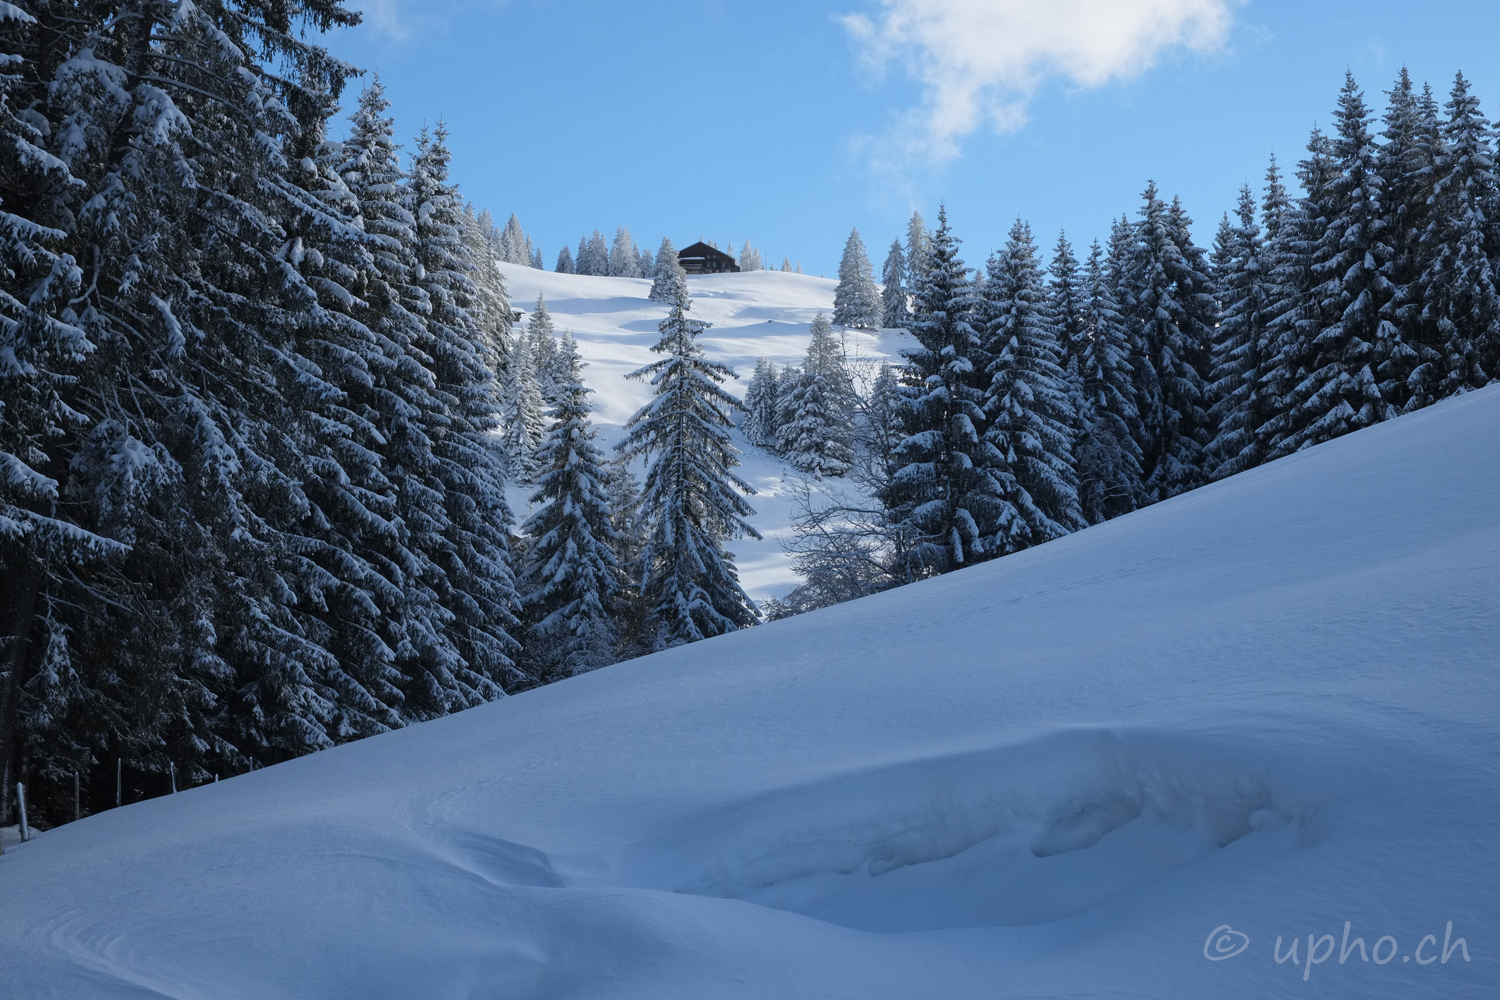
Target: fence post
x=21, y=800
x=172, y=770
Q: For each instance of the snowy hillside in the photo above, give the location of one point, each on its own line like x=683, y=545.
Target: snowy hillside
x=754, y=313
x=1243, y=716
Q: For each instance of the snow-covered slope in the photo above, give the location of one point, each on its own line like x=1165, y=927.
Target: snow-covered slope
x=1264, y=709
x=755, y=313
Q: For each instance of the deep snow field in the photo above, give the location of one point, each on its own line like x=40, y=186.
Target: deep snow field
x=754, y=313
x=1245, y=716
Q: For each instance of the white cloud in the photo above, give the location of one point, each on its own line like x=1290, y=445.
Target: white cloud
x=980, y=61
x=385, y=17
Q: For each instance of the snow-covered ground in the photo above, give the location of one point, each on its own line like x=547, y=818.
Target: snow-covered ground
x=755, y=313
x=1253, y=715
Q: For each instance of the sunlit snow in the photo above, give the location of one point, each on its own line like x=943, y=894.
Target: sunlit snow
x=1247, y=715
x=753, y=313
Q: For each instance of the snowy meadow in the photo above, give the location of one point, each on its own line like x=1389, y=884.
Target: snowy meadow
x=390, y=608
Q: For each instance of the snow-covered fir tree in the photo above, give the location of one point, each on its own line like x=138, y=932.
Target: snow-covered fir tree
x=946, y=497
x=523, y=413
x=883, y=428
x=545, y=362
x=624, y=259
x=1065, y=305
x=1462, y=306
x=515, y=246
x=1166, y=316
x=478, y=590
x=492, y=299
x=570, y=580
x=1241, y=347
x=856, y=300
x=918, y=243
x=693, y=500
x=814, y=430
x=1296, y=315
x=897, y=312
x=761, y=420
x=593, y=255
x=565, y=261
x=1339, y=392
x=405, y=385
x=1406, y=162
x=1027, y=402
x=669, y=282
x=750, y=258
x=634, y=624
x=1107, y=455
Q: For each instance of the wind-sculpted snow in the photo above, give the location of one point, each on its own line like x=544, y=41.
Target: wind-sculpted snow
x=1139, y=761
x=829, y=849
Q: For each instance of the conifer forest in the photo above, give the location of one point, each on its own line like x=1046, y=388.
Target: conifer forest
x=262, y=393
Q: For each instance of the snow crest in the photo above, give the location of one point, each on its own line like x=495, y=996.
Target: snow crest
x=981, y=838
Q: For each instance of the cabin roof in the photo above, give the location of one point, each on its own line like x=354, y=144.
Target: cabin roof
x=704, y=250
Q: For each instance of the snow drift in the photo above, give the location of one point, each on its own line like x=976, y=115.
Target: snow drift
x=1144, y=760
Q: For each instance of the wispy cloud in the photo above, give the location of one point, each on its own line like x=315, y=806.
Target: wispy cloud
x=979, y=62
x=385, y=17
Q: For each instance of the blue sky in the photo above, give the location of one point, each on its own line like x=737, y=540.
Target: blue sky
x=789, y=122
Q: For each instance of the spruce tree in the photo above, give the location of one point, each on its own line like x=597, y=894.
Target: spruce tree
x=815, y=431
x=1168, y=303
x=1461, y=303
x=1065, y=300
x=1405, y=164
x=543, y=342
x=515, y=246
x=669, y=283
x=565, y=261
x=570, y=580
x=750, y=258
x=594, y=257
x=761, y=420
x=624, y=261
x=523, y=413
x=1107, y=454
x=946, y=498
x=894, y=295
x=478, y=591
x=404, y=386
x=491, y=308
x=1027, y=403
x=1241, y=348
x=1339, y=392
x=884, y=426
x=856, y=301
x=918, y=243
x=693, y=501
x=1296, y=317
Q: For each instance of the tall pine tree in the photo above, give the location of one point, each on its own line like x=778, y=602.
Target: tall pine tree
x=945, y=497
x=692, y=498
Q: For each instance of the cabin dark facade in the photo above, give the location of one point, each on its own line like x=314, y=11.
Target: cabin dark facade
x=700, y=258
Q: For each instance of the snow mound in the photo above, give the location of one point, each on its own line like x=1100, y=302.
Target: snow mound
x=960, y=840
x=1138, y=761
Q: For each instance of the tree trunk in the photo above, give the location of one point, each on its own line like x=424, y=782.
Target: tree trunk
x=18, y=593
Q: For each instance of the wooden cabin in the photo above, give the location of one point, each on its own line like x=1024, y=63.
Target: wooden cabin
x=700, y=258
